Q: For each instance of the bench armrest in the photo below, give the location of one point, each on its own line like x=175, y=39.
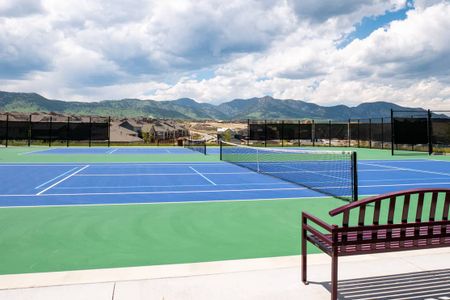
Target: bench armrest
x=307, y=217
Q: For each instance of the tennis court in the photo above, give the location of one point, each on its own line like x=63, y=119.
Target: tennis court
x=130, y=183
x=89, y=208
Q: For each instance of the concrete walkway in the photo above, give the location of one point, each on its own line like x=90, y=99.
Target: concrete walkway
x=423, y=274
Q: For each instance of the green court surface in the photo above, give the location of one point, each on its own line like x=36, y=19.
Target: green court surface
x=45, y=239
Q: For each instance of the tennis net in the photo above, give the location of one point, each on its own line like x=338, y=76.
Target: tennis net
x=328, y=172
x=196, y=145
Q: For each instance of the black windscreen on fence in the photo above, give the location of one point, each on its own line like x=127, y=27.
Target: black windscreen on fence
x=440, y=132
x=306, y=132
x=321, y=131
x=290, y=131
x=339, y=131
x=18, y=130
x=257, y=132
x=2, y=130
x=79, y=131
x=274, y=132
x=40, y=131
x=411, y=131
x=100, y=131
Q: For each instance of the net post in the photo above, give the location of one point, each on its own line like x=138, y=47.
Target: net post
x=354, y=177
x=7, y=130
x=220, y=147
x=430, y=133
x=392, y=132
x=204, y=147
x=68, y=131
x=29, y=130
x=50, y=135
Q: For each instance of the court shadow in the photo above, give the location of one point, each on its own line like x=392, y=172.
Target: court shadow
x=428, y=285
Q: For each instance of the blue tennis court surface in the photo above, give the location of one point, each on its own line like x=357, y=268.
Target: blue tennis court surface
x=126, y=183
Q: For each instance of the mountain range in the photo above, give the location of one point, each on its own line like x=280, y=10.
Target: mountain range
x=185, y=108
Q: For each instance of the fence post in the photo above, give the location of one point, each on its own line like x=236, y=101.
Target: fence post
x=392, y=132
x=7, y=130
x=29, y=131
x=370, y=133
x=109, y=132
x=68, y=132
x=382, y=133
x=313, y=133
x=50, y=136
x=349, y=133
x=299, y=132
x=329, y=133
x=430, y=133
x=282, y=133
x=90, y=131
x=248, y=132
x=358, y=133
x=265, y=133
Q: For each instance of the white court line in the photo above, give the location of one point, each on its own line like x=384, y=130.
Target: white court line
x=35, y=151
x=407, y=169
x=406, y=184
x=65, y=178
x=112, y=151
x=164, y=174
x=39, y=186
x=153, y=186
x=209, y=180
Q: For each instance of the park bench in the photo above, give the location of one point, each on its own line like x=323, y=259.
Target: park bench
x=405, y=220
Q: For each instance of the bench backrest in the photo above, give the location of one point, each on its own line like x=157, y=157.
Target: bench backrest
x=410, y=206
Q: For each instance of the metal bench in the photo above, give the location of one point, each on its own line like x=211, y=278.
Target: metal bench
x=405, y=220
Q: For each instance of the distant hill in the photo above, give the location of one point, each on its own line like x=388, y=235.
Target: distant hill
x=185, y=108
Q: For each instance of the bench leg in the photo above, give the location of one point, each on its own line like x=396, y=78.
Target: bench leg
x=334, y=276
x=304, y=259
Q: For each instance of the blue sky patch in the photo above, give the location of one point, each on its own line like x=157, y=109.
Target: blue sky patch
x=370, y=24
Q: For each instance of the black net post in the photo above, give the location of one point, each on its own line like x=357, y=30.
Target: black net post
x=430, y=133
x=109, y=132
x=329, y=133
x=90, y=131
x=265, y=133
x=220, y=147
x=392, y=132
x=282, y=133
x=50, y=134
x=29, y=130
x=354, y=177
x=7, y=130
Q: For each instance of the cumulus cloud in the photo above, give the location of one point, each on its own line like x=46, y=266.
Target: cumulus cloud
x=92, y=50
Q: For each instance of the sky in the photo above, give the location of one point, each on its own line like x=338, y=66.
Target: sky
x=325, y=52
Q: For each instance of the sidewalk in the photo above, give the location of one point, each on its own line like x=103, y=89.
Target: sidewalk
x=402, y=275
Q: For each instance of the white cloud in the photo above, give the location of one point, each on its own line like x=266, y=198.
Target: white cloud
x=92, y=50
